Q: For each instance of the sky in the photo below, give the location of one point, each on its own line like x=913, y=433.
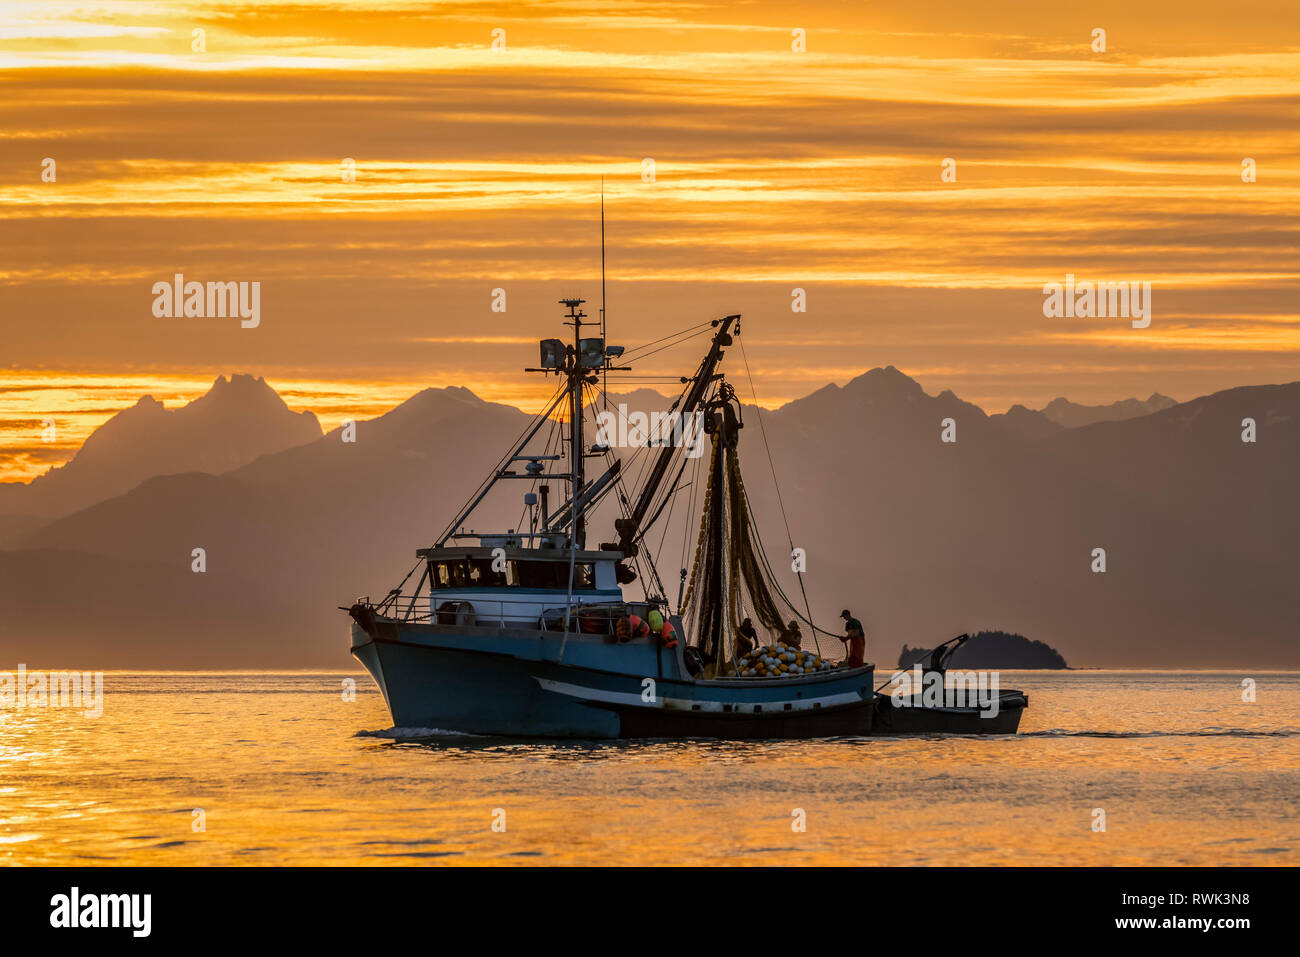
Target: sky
x=747, y=150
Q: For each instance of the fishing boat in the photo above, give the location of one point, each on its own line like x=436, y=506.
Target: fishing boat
x=528, y=632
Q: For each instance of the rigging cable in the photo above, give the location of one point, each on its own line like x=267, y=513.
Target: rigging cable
x=532, y=487
x=684, y=339
x=546, y=410
x=672, y=335
x=549, y=407
x=687, y=537
x=626, y=508
x=664, y=495
x=772, y=579
x=768, y=449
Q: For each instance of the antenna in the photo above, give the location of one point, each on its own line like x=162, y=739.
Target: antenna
x=604, y=383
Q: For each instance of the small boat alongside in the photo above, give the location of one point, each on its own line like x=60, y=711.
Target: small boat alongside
x=929, y=699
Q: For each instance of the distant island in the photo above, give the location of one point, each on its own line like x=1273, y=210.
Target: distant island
x=994, y=649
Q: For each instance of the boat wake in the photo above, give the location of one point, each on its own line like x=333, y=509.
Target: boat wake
x=414, y=734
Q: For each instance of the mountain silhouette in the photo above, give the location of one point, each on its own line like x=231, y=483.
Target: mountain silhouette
x=920, y=537
x=1028, y=422
x=1072, y=415
x=234, y=422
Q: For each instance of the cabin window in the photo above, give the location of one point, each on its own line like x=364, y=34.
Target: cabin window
x=478, y=573
x=467, y=573
x=482, y=574
x=554, y=575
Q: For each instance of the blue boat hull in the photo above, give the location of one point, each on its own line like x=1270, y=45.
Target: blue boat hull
x=520, y=686
x=455, y=690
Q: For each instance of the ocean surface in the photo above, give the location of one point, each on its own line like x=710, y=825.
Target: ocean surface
x=260, y=768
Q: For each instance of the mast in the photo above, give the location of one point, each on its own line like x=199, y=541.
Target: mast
x=577, y=376
x=604, y=382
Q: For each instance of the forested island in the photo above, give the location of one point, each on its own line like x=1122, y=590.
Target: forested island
x=989, y=650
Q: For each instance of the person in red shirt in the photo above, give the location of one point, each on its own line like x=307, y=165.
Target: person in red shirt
x=855, y=638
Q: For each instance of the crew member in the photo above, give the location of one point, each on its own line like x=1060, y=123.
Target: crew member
x=793, y=638
x=855, y=638
x=746, y=638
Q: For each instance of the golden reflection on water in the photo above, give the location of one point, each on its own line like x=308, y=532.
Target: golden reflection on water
x=1186, y=772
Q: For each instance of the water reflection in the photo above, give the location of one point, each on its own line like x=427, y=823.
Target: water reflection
x=1189, y=772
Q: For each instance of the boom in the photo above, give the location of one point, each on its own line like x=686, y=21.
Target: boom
x=627, y=528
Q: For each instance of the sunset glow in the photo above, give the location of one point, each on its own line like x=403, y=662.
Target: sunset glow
x=223, y=156
x=648, y=434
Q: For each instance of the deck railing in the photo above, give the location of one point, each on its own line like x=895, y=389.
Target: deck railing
x=584, y=617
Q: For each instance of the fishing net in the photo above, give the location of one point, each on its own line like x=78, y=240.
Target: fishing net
x=728, y=573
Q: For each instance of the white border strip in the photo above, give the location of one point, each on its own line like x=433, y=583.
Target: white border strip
x=632, y=699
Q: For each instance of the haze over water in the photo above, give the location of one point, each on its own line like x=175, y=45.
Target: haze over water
x=287, y=772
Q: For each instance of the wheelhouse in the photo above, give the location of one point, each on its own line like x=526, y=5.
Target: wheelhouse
x=519, y=569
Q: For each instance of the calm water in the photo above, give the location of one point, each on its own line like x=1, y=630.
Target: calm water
x=287, y=772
